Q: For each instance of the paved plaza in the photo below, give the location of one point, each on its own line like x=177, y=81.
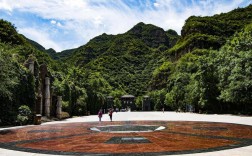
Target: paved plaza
x=134, y=133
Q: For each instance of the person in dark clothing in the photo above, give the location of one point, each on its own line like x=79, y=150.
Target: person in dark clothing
x=100, y=115
x=110, y=114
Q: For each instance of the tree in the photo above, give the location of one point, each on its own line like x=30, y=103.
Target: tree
x=235, y=81
x=8, y=74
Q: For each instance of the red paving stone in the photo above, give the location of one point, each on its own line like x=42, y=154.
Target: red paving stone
x=177, y=137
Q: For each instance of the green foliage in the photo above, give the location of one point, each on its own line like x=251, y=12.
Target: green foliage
x=213, y=81
x=151, y=35
x=117, y=93
x=65, y=106
x=51, y=52
x=157, y=99
x=160, y=75
x=71, y=87
x=97, y=90
x=64, y=115
x=24, y=114
x=208, y=67
x=176, y=90
x=139, y=102
x=17, y=85
x=173, y=37
x=117, y=103
x=8, y=75
x=125, y=61
x=8, y=34
x=210, y=32
x=235, y=80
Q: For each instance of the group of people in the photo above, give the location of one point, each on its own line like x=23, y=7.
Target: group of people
x=110, y=113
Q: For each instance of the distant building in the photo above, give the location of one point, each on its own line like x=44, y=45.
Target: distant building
x=110, y=102
x=128, y=102
x=146, y=103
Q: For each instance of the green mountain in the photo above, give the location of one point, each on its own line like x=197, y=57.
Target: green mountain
x=51, y=52
x=35, y=44
x=207, y=67
x=65, y=53
x=210, y=32
x=200, y=64
x=8, y=34
x=126, y=60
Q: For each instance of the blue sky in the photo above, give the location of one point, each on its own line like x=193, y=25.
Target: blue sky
x=65, y=24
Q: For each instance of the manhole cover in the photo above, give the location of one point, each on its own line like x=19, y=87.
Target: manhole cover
x=127, y=128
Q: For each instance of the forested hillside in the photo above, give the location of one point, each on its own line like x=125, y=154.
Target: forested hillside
x=208, y=67
x=51, y=52
x=17, y=84
x=211, y=80
x=210, y=32
x=125, y=61
x=194, y=73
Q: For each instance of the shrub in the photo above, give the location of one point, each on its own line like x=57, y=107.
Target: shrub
x=24, y=114
x=65, y=105
x=64, y=115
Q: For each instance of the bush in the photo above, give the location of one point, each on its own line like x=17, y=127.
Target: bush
x=24, y=115
x=65, y=105
x=64, y=115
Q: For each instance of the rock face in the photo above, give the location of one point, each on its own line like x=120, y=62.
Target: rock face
x=151, y=35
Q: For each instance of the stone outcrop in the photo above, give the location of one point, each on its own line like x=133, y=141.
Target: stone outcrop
x=44, y=105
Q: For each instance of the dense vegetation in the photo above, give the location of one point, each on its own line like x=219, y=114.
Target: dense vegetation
x=209, y=67
x=198, y=69
x=214, y=81
x=125, y=61
x=18, y=85
x=210, y=32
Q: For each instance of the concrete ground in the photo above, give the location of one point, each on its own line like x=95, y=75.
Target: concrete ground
x=167, y=116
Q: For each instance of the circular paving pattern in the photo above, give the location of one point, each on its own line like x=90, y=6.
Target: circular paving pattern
x=127, y=128
x=174, y=137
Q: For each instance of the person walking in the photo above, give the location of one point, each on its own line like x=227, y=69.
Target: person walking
x=100, y=115
x=110, y=114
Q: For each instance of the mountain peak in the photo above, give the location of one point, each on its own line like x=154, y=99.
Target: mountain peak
x=142, y=27
x=152, y=35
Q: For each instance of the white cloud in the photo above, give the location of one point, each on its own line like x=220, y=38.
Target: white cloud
x=156, y=4
x=53, y=22
x=59, y=24
x=4, y=5
x=85, y=19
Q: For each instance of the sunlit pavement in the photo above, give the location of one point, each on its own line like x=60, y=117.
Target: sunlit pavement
x=158, y=116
